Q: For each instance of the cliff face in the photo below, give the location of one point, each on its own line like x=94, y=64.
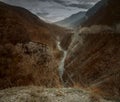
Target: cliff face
x=93, y=56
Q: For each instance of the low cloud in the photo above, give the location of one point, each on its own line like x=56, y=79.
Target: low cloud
x=96, y=29
x=118, y=28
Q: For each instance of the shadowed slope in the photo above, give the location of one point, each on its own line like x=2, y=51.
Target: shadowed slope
x=28, y=52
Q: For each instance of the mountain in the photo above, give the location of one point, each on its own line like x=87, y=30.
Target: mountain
x=53, y=10
x=80, y=18
x=92, y=16
x=72, y=21
x=96, y=7
x=26, y=22
x=109, y=10
x=28, y=51
x=93, y=57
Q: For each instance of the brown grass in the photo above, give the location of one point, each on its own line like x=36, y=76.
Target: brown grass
x=95, y=62
x=18, y=68
x=18, y=25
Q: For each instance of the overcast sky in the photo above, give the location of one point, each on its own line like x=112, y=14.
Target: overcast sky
x=54, y=10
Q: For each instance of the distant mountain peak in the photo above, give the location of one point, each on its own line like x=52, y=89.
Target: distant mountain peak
x=72, y=21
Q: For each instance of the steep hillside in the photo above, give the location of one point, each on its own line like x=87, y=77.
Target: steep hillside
x=94, y=63
x=96, y=8
x=28, y=51
x=108, y=13
x=93, y=57
x=16, y=21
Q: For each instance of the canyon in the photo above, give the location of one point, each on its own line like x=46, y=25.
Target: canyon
x=82, y=62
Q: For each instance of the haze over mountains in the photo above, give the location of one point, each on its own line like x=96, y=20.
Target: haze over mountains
x=76, y=20
x=53, y=10
x=72, y=21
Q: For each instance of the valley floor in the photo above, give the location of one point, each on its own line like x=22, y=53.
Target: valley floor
x=38, y=94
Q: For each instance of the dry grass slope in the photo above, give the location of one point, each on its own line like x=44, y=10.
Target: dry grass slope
x=18, y=26
x=96, y=64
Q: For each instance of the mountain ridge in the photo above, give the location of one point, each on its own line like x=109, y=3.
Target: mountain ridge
x=110, y=14
x=72, y=21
